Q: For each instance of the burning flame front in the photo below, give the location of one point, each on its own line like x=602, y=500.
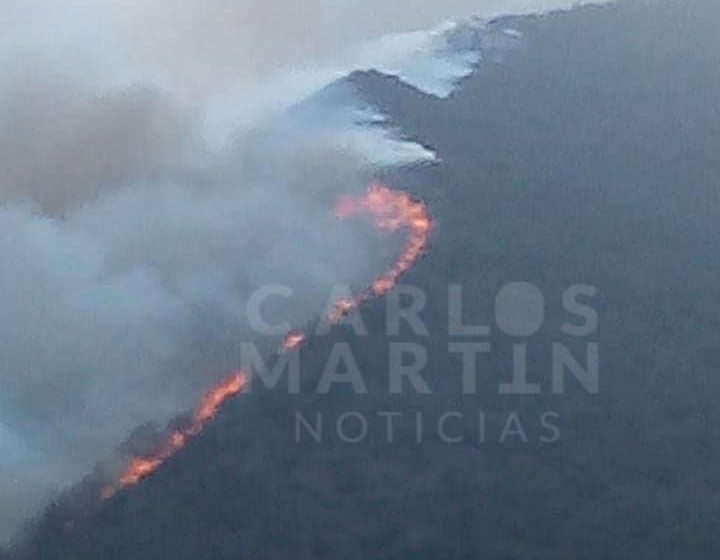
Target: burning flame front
x=142, y=467
x=389, y=211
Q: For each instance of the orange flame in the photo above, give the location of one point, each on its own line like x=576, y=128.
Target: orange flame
x=343, y=306
x=142, y=467
x=294, y=340
x=390, y=211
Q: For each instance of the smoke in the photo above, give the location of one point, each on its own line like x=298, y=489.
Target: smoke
x=203, y=43
x=132, y=233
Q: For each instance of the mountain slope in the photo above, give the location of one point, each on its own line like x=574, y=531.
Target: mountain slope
x=587, y=156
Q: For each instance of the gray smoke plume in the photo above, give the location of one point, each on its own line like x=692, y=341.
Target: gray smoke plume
x=131, y=235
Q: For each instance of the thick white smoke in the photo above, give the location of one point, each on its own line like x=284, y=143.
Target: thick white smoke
x=132, y=229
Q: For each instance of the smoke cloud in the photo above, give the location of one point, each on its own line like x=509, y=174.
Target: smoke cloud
x=131, y=235
x=211, y=42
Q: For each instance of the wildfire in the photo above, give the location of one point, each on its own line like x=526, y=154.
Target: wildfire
x=294, y=340
x=343, y=306
x=389, y=211
x=141, y=467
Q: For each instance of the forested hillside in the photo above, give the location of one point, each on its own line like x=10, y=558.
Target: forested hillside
x=587, y=156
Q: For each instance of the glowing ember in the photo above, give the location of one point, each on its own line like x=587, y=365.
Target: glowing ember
x=389, y=211
x=294, y=340
x=141, y=467
x=343, y=306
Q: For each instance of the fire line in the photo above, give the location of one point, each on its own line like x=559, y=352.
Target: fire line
x=389, y=210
